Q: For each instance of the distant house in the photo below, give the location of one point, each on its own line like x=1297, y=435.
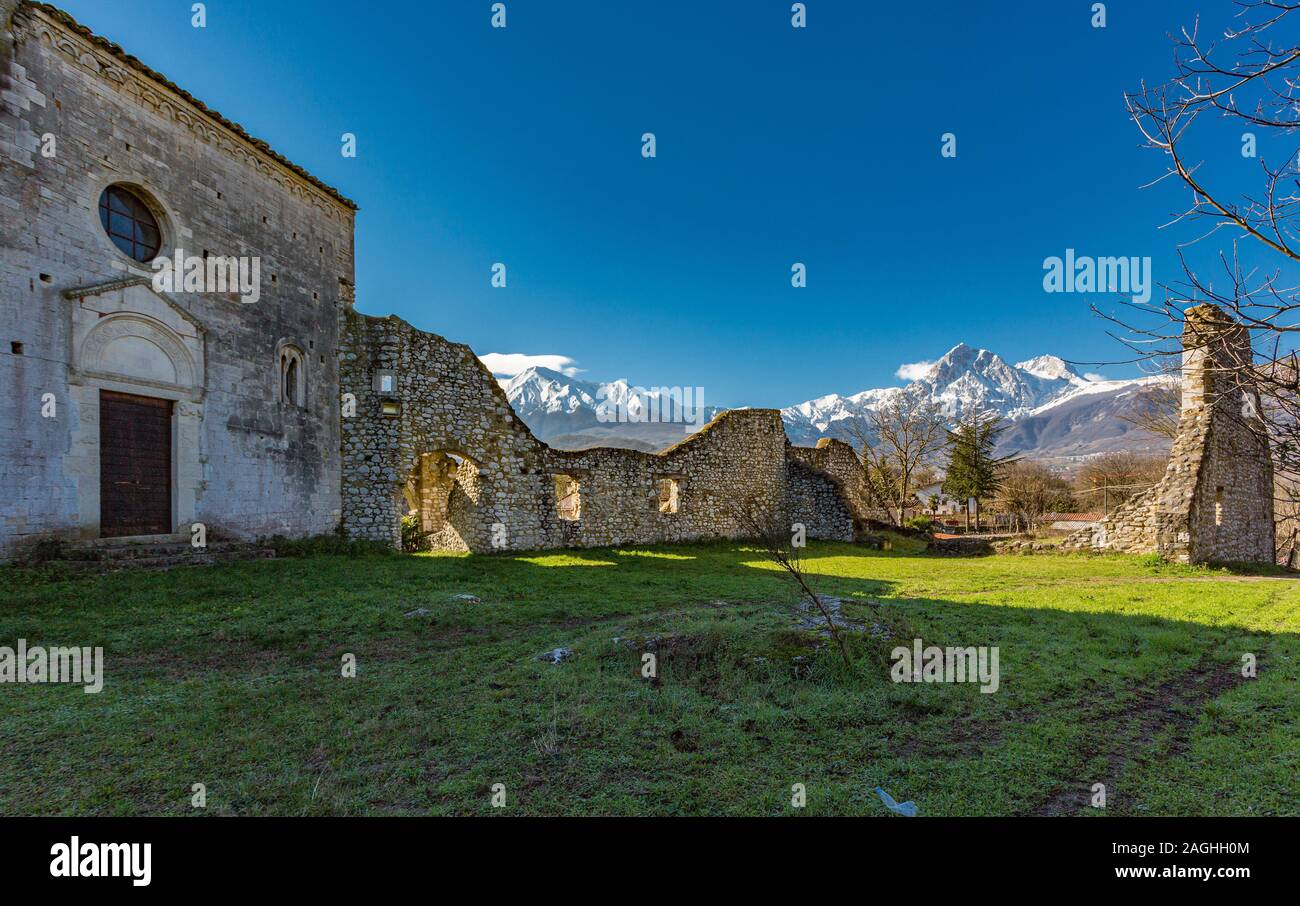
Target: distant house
x=947, y=505
x=1069, y=522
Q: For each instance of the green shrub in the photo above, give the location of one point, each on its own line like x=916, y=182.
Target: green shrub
x=413, y=537
x=920, y=523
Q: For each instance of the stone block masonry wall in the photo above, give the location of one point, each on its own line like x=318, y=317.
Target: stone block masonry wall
x=443, y=402
x=1215, y=501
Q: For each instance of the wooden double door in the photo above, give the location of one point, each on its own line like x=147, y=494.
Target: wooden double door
x=135, y=465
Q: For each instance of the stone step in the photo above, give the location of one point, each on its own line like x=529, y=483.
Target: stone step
x=102, y=558
x=147, y=550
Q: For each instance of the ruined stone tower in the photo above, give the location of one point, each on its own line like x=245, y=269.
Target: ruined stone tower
x=1215, y=502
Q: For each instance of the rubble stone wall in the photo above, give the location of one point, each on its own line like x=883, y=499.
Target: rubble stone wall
x=1215, y=501
x=817, y=501
x=443, y=402
x=837, y=459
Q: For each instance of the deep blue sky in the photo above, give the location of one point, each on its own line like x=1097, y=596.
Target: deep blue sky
x=775, y=145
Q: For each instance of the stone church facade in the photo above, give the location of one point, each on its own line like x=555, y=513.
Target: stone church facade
x=128, y=411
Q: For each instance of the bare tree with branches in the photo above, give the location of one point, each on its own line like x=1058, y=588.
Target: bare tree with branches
x=1249, y=76
x=1029, y=490
x=898, y=444
x=1108, y=480
x=1156, y=410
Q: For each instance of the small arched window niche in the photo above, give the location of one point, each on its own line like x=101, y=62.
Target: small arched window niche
x=568, y=498
x=293, y=377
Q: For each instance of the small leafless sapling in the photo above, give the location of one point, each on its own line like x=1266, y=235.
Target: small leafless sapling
x=778, y=543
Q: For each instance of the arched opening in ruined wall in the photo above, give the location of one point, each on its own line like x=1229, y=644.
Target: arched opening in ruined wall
x=667, y=494
x=441, y=496
x=568, y=498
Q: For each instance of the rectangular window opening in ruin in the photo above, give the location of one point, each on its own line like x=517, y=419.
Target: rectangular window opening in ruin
x=1218, y=506
x=568, y=499
x=668, y=491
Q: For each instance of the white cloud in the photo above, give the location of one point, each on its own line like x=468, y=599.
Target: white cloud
x=913, y=371
x=509, y=364
x=1094, y=376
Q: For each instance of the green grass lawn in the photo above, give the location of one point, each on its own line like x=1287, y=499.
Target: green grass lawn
x=1114, y=670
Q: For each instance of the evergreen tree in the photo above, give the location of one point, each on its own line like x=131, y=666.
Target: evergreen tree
x=974, y=473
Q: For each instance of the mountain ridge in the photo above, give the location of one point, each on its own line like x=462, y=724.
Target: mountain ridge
x=1048, y=404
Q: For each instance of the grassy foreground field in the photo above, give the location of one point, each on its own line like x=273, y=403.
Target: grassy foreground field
x=1114, y=670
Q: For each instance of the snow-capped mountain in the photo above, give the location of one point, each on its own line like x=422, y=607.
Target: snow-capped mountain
x=1055, y=410
x=570, y=413
x=962, y=380
x=1050, y=368
x=542, y=390
x=823, y=416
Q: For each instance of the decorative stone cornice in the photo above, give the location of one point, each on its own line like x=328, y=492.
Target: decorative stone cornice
x=95, y=289
x=154, y=91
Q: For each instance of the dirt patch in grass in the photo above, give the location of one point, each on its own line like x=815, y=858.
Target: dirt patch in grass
x=962, y=735
x=1164, y=716
x=684, y=741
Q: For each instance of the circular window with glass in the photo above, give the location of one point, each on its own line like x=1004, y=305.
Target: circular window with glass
x=129, y=223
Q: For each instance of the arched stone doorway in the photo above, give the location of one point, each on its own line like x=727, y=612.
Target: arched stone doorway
x=442, y=493
x=136, y=382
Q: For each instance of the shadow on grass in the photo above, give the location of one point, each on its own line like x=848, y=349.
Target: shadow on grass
x=1100, y=682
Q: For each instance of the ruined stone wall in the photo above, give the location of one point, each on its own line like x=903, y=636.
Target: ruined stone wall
x=837, y=459
x=244, y=463
x=1215, y=501
x=737, y=456
x=443, y=401
x=817, y=500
